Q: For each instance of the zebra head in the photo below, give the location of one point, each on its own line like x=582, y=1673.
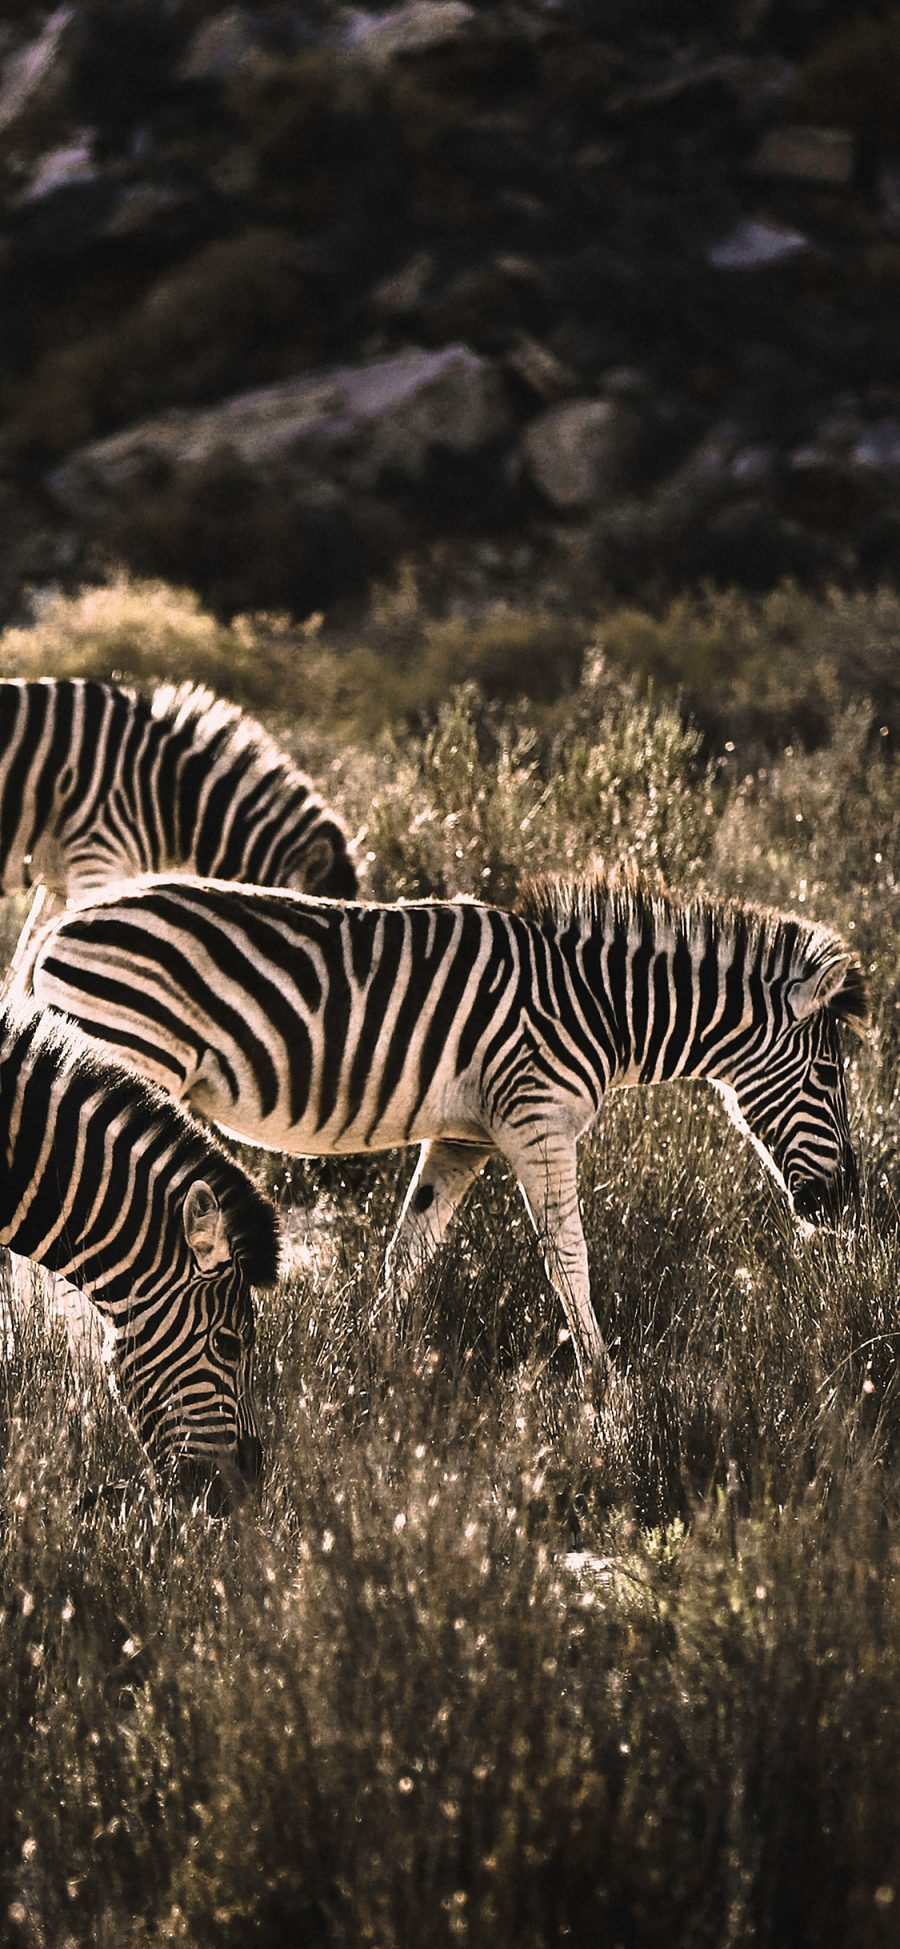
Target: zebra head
x=185, y=1372
x=788, y=1092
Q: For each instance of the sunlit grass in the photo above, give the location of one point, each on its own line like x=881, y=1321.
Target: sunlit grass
x=480, y=1665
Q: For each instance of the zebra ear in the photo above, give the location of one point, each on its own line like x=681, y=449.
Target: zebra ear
x=318, y=861
x=820, y=989
x=204, y=1227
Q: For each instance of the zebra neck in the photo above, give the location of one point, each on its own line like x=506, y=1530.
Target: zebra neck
x=674, y=1010
x=65, y=1138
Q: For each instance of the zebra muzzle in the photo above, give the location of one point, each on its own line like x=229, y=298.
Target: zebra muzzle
x=826, y=1200
x=223, y=1481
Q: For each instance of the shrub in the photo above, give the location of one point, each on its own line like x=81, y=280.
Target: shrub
x=232, y=314
x=128, y=630
x=482, y=800
x=820, y=833
x=224, y=525
x=765, y=671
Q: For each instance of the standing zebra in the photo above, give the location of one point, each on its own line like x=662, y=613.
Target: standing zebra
x=316, y=1029
x=98, y=783
x=105, y=1181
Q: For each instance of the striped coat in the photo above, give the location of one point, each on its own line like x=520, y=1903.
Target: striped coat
x=465, y=1029
x=105, y=1181
x=98, y=783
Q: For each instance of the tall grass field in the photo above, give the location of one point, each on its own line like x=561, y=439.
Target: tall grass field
x=483, y=1664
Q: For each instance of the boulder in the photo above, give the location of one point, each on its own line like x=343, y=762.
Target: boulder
x=34, y=80
x=878, y=448
x=60, y=168
x=539, y=369
x=755, y=243
x=581, y=452
x=220, y=46
x=352, y=424
x=413, y=29
x=401, y=292
x=59, y=225
x=802, y=153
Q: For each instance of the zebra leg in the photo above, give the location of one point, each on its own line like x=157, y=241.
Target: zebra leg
x=548, y=1181
x=438, y=1186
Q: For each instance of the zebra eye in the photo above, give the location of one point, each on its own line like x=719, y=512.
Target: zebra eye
x=826, y=1072
x=227, y=1346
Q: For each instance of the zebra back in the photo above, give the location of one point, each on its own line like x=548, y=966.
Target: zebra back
x=98, y=783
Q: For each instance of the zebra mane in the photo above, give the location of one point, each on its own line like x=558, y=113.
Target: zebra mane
x=607, y=899
x=251, y=1218
x=215, y=720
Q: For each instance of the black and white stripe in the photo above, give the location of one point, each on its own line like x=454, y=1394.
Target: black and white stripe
x=107, y=1182
x=98, y=783
x=317, y=1029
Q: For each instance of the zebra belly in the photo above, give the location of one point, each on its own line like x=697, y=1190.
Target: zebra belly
x=296, y=1141
x=307, y=1136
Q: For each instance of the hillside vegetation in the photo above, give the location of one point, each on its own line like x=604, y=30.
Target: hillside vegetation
x=606, y=292
x=481, y=1667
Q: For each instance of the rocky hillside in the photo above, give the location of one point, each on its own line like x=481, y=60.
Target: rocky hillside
x=292, y=290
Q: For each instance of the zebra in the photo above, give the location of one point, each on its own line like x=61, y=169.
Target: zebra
x=98, y=783
x=106, y=1181
x=317, y=1028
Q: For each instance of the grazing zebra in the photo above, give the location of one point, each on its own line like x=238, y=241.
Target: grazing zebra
x=107, y=1182
x=98, y=783
x=316, y=1029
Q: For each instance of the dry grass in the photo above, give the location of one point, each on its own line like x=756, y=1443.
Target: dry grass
x=481, y=1666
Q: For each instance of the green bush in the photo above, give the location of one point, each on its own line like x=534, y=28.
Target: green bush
x=127, y=630
x=820, y=832
x=442, y=1684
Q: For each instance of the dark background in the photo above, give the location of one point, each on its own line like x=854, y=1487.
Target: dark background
x=605, y=295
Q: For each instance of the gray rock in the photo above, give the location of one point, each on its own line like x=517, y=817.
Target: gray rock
x=33, y=80
x=879, y=447
x=755, y=243
x=581, y=452
x=55, y=227
x=701, y=483
x=407, y=30
x=405, y=406
x=539, y=369
x=352, y=424
x=754, y=467
x=805, y=154
x=402, y=291
x=140, y=206
x=828, y=454
x=627, y=382
x=219, y=47
x=59, y=169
